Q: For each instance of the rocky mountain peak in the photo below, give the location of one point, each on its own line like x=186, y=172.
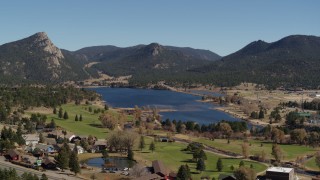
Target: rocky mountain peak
x=42, y=40
x=154, y=49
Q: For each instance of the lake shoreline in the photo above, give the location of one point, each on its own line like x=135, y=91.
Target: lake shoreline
x=176, y=105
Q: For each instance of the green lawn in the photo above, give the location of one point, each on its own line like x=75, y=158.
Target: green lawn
x=291, y=152
x=311, y=164
x=90, y=125
x=172, y=157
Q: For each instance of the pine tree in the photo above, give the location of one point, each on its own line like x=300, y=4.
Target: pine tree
x=80, y=119
x=201, y=165
x=65, y=115
x=241, y=164
x=54, y=110
x=219, y=165
x=62, y=158
x=19, y=139
x=202, y=155
x=74, y=162
x=76, y=118
x=152, y=146
x=261, y=114
x=53, y=124
x=106, y=107
x=142, y=143
x=232, y=168
x=130, y=155
x=183, y=173
x=60, y=114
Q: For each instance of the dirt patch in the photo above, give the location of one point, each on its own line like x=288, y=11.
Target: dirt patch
x=41, y=110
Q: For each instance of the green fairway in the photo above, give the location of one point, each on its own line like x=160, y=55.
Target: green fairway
x=311, y=165
x=90, y=125
x=172, y=157
x=291, y=152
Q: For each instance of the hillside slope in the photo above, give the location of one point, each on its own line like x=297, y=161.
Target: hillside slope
x=291, y=61
x=37, y=59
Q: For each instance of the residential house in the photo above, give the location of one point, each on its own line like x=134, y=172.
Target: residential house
x=31, y=139
x=40, y=127
x=58, y=134
x=79, y=148
x=159, y=169
x=50, y=141
x=38, y=152
x=70, y=136
x=75, y=139
x=46, y=148
x=55, y=134
x=13, y=154
x=226, y=177
x=31, y=160
x=49, y=163
x=100, y=145
x=280, y=173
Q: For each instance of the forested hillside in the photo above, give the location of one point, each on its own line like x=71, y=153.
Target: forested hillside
x=293, y=61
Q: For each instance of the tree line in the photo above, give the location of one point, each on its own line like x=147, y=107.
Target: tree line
x=25, y=97
x=11, y=174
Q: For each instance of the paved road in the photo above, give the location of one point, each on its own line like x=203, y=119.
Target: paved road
x=53, y=175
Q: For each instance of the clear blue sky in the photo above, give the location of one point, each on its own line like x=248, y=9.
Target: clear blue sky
x=221, y=26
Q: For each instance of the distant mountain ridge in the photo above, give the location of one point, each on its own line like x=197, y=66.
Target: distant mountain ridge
x=291, y=61
x=36, y=59
x=153, y=58
x=102, y=53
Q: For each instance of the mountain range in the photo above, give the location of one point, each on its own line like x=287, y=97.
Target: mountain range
x=290, y=61
x=37, y=59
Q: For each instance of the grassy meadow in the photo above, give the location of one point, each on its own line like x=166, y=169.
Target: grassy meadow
x=172, y=156
x=311, y=165
x=290, y=152
x=90, y=124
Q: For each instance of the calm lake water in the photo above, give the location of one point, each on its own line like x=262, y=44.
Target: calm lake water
x=117, y=162
x=188, y=107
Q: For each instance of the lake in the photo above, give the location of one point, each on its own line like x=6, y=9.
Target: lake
x=187, y=107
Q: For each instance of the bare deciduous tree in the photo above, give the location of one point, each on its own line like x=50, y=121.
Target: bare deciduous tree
x=138, y=171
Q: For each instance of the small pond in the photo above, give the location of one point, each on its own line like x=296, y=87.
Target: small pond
x=111, y=162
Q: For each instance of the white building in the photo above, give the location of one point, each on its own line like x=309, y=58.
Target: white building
x=79, y=148
x=31, y=139
x=280, y=173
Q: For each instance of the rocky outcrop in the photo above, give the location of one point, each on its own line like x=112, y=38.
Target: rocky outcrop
x=41, y=40
x=37, y=59
x=154, y=49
